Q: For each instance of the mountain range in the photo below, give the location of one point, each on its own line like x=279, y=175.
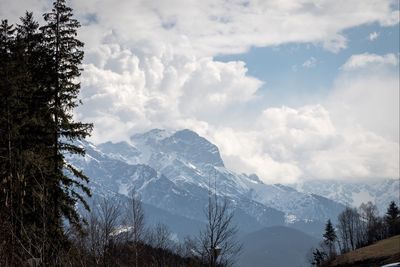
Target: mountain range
x=349, y=193
x=175, y=172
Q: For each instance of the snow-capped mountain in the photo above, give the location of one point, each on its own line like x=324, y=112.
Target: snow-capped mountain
x=175, y=171
x=354, y=193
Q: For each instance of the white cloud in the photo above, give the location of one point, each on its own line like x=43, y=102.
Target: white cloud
x=310, y=63
x=366, y=94
x=373, y=36
x=211, y=27
x=392, y=19
x=138, y=92
x=370, y=60
x=352, y=134
x=13, y=10
x=304, y=143
x=336, y=43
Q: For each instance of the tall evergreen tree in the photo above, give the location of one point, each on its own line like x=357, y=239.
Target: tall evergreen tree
x=64, y=67
x=6, y=96
x=392, y=219
x=319, y=257
x=6, y=41
x=33, y=141
x=66, y=184
x=330, y=238
x=6, y=141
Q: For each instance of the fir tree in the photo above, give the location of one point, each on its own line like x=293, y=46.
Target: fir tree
x=330, y=238
x=23, y=115
x=6, y=96
x=7, y=93
x=33, y=141
x=318, y=257
x=65, y=184
x=66, y=55
x=392, y=219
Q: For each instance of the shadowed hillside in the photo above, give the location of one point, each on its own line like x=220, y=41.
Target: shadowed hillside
x=383, y=252
x=276, y=246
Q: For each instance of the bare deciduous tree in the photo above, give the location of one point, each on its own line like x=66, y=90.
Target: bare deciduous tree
x=351, y=229
x=217, y=243
x=136, y=222
x=101, y=230
x=373, y=223
x=159, y=236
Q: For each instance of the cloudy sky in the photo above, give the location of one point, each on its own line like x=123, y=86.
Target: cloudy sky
x=290, y=90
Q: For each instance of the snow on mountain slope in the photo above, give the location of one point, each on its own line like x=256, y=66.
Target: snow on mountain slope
x=160, y=147
x=295, y=204
x=175, y=170
x=354, y=193
x=194, y=166
x=120, y=151
x=110, y=176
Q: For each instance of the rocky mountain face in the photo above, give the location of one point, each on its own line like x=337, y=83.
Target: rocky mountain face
x=176, y=171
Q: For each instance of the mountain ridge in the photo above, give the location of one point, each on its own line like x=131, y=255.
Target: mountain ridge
x=381, y=192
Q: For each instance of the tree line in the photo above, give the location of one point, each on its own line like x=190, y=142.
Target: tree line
x=117, y=235
x=356, y=228
x=40, y=224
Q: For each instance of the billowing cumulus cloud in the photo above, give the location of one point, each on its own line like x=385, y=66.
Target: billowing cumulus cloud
x=137, y=92
x=304, y=143
x=352, y=134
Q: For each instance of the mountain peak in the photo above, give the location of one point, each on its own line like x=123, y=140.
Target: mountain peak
x=191, y=146
x=187, y=133
x=151, y=136
x=185, y=145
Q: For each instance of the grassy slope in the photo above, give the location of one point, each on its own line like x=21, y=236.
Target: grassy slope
x=383, y=252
